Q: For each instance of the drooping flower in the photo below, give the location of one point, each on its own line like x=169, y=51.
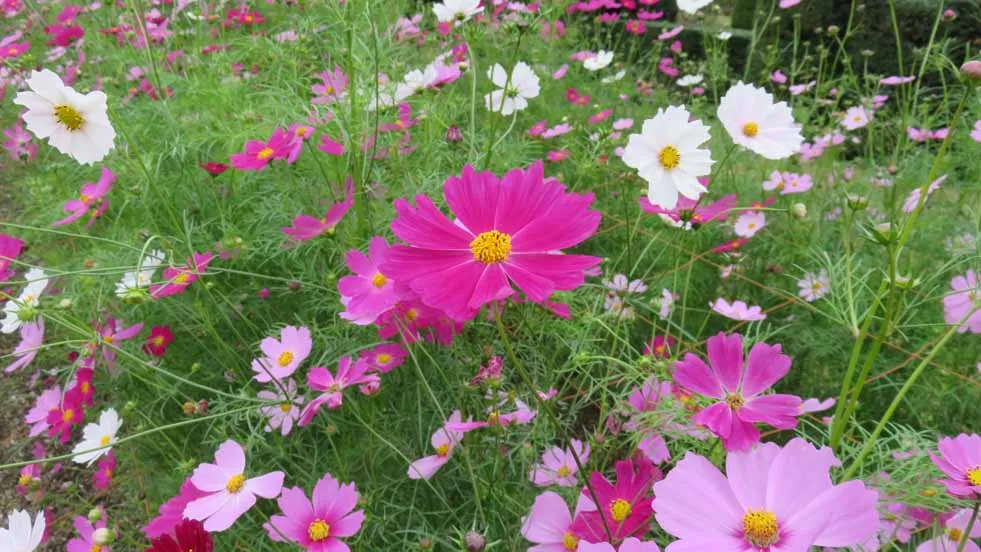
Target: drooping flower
x=189, y=536
x=22, y=309
x=558, y=466
x=158, y=340
x=21, y=535
x=962, y=301
x=177, y=280
x=755, y=122
x=960, y=460
x=86, y=539
x=549, y=524
x=368, y=292
x=283, y=356
x=228, y=493
x=171, y=512
x=738, y=387
x=456, y=12
x=349, y=373
x=318, y=525
x=814, y=286
x=625, y=506
x=74, y=124
x=738, y=310
x=305, y=227
x=443, y=441
x=281, y=416
x=772, y=498
x=514, y=88
x=91, y=199
x=510, y=230
x=31, y=338
x=667, y=154
x=94, y=436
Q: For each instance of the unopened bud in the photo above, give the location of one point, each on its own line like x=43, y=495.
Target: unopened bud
x=972, y=69
x=799, y=210
x=453, y=134
x=883, y=233
x=425, y=543
x=103, y=536
x=474, y=541
x=833, y=29
x=857, y=202
x=95, y=514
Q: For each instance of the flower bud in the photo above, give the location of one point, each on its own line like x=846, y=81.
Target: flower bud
x=949, y=15
x=972, y=69
x=857, y=202
x=425, y=543
x=799, y=210
x=453, y=134
x=474, y=541
x=883, y=233
x=103, y=536
x=95, y=514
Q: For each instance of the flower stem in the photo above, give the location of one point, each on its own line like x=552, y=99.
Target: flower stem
x=970, y=525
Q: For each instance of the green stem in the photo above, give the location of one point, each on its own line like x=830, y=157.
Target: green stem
x=970, y=526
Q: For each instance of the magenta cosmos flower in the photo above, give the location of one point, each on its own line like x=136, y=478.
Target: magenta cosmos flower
x=963, y=301
x=90, y=197
x=625, y=506
x=318, y=525
x=960, y=460
x=31, y=338
x=84, y=542
x=628, y=545
x=368, y=292
x=385, y=357
x=349, y=373
x=443, y=441
x=510, y=231
x=284, y=356
x=171, y=512
x=10, y=248
x=771, y=500
x=228, y=493
x=738, y=387
x=558, y=466
x=178, y=279
x=306, y=227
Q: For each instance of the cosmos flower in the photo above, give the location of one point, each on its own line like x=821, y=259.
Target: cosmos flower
x=960, y=460
x=87, y=531
x=177, y=280
x=444, y=440
x=738, y=310
x=558, y=466
x=514, y=89
x=133, y=283
x=91, y=199
x=283, y=356
x=306, y=227
x=74, y=124
x=755, y=122
x=171, y=512
x=598, y=61
x=368, y=292
x=317, y=525
x=158, y=340
x=22, y=309
x=94, y=436
x=749, y=223
x=386, y=357
x=189, y=535
x=964, y=300
x=624, y=505
x=456, y=12
x=814, y=286
x=549, y=524
x=855, y=118
x=21, y=535
x=31, y=339
x=37, y=416
x=349, y=373
x=333, y=87
x=284, y=415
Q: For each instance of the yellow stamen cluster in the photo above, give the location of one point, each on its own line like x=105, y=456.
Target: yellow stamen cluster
x=284, y=359
x=760, y=527
x=751, y=129
x=379, y=280
x=570, y=541
x=443, y=450
x=68, y=116
x=669, y=157
x=491, y=247
x=974, y=476
x=265, y=153
x=318, y=530
x=383, y=358
x=735, y=401
x=619, y=510
x=236, y=483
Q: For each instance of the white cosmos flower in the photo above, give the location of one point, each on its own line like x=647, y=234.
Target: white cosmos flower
x=20, y=309
x=692, y=6
x=598, y=61
x=142, y=276
x=75, y=124
x=415, y=81
x=725, y=35
x=456, y=11
x=513, y=94
x=690, y=80
x=755, y=122
x=814, y=286
x=102, y=434
x=615, y=77
x=21, y=535
x=667, y=155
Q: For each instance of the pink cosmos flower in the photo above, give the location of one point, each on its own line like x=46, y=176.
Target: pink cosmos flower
x=601, y=116
x=913, y=199
x=976, y=133
x=333, y=87
x=787, y=4
x=690, y=214
x=635, y=26
x=110, y=334
x=331, y=147
x=952, y=537
x=281, y=416
x=738, y=387
x=14, y=50
x=924, y=134
x=793, y=183
x=558, y=466
x=628, y=545
x=348, y=373
x=521, y=415
x=659, y=347
x=549, y=524
x=305, y=227
x=105, y=469
x=83, y=383
x=560, y=72
x=816, y=405
x=317, y=525
x=258, y=154
x=557, y=130
x=625, y=506
x=963, y=301
x=537, y=129
x=386, y=357
x=557, y=155
x=368, y=292
x=282, y=357
x=510, y=231
x=68, y=412
x=444, y=440
x=228, y=493
x=171, y=512
x=19, y=142
x=84, y=541
x=772, y=499
x=91, y=197
x=178, y=279
x=855, y=118
x=671, y=33
x=301, y=133
x=31, y=338
x=960, y=460
x=738, y=310
x=778, y=77
x=37, y=416
x=749, y=223
x=896, y=80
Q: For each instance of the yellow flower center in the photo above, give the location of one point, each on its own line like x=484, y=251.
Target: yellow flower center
x=236, y=483
x=563, y=471
x=751, y=225
x=816, y=286
x=443, y=450
x=318, y=530
x=735, y=401
x=104, y=441
x=619, y=510
x=491, y=247
x=330, y=90
x=85, y=198
x=379, y=280
x=24, y=480
x=570, y=541
x=69, y=117
x=158, y=341
x=285, y=407
x=96, y=548
x=301, y=132
x=411, y=314
x=760, y=527
x=181, y=278
x=85, y=387
x=107, y=339
x=974, y=476
x=857, y=118
x=494, y=418
x=265, y=153
x=383, y=358
x=68, y=415
x=955, y=534
x=12, y=51
x=669, y=157
x=249, y=19
x=285, y=358
x=751, y=129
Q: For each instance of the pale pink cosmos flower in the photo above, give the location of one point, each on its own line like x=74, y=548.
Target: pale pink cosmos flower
x=558, y=466
x=283, y=356
x=798, y=89
x=37, y=416
x=560, y=72
x=896, y=80
x=738, y=310
x=976, y=133
x=228, y=493
x=952, y=537
x=620, y=284
x=333, y=87
x=349, y=373
x=671, y=33
x=787, y=4
x=855, y=118
x=749, y=223
x=623, y=124
x=318, y=525
x=91, y=197
x=778, y=77
x=963, y=301
x=85, y=541
x=306, y=227
x=794, y=183
x=521, y=415
x=913, y=199
x=960, y=460
x=549, y=524
x=444, y=440
x=770, y=499
x=281, y=416
x=738, y=386
x=810, y=406
x=31, y=338
x=814, y=286
x=557, y=130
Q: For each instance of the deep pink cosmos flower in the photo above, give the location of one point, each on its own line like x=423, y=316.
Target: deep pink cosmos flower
x=31, y=338
x=284, y=356
x=962, y=301
x=111, y=333
x=333, y=87
x=86, y=529
x=63, y=35
x=104, y=472
x=510, y=230
x=14, y=50
x=228, y=493
x=625, y=506
x=771, y=499
x=189, y=536
x=558, y=466
x=386, y=357
x=522, y=414
x=258, y=154
x=405, y=120
x=688, y=213
x=318, y=525
x=305, y=227
x=37, y=417
x=960, y=460
x=91, y=197
x=330, y=146
x=171, y=512
x=444, y=440
x=349, y=373
x=660, y=347
x=213, y=168
x=737, y=386
x=10, y=248
x=83, y=382
x=368, y=292
x=69, y=412
x=158, y=340
x=178, y=279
